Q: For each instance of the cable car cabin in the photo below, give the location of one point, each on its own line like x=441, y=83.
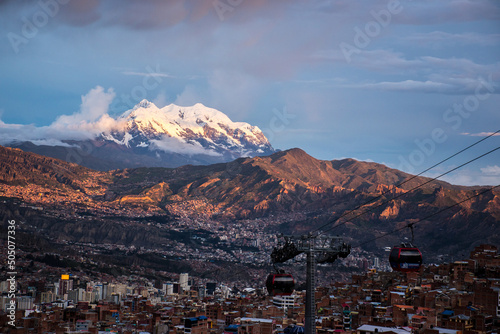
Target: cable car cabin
x=280, y=284
x=405, y=258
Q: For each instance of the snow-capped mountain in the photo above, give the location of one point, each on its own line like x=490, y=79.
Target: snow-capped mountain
x=148, y=136
x=188, y=130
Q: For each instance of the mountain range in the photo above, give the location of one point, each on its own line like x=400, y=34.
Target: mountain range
x=172, y=136
x=301, y=192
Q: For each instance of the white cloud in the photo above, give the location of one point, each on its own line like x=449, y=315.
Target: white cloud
x=443, y=39
x=376, y=60
x=189, y=96
x=51, y=142
x=149, y=74
x=12, y=133
x=424, y=74
x=233, y=91
x=169, y=144
x=161, y=100
x=436, y=84
x=91, y=120
x=461, y=65
x=94, y=107
x=491, y=170
x=487, y=176
x=440, y=12
x=481, y=134
x=408, y=85
x=393, y=62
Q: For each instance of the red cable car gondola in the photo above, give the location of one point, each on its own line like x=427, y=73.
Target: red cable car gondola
x=280, y=284
x=405, y=258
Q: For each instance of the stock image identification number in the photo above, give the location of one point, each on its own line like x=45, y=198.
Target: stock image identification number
x=11, y=245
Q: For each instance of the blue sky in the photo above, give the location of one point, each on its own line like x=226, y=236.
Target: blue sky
x=404, y=83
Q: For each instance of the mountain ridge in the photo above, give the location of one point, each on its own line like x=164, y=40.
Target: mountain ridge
x=209, y=127
x=288, y=183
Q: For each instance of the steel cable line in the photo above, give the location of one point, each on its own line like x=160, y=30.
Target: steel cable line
x=397, y=185
x=406, y=226
x=400, y=195
x=408, y=180
x=429, y=216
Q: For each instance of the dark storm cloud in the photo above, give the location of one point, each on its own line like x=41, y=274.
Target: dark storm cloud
x=149, y=14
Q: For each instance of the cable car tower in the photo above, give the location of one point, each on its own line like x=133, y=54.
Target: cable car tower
x=319, y=249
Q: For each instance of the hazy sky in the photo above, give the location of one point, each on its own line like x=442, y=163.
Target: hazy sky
x=404, y=83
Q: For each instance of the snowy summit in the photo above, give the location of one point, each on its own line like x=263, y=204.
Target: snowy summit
x=188, y=130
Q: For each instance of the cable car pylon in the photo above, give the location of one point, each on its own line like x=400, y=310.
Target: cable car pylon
x=319, y=249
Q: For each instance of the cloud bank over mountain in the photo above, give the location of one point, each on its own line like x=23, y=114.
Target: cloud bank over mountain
x=192, y=130
x=87, y=123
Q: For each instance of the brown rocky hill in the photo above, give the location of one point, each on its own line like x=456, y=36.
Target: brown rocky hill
x=282, y=183
x=286, y=181
x=37, y=179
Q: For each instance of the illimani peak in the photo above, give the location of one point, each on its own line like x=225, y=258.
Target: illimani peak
x=149, y=136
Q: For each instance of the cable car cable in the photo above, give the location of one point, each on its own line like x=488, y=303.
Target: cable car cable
x=402, y=194
x=406, y=226
x=387, y=201
x=408, y=180
x=429, y=216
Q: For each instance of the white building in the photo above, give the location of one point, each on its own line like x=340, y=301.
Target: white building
x=168, y=289
x=285, y=301
x=183, y=281
x=24, y=302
